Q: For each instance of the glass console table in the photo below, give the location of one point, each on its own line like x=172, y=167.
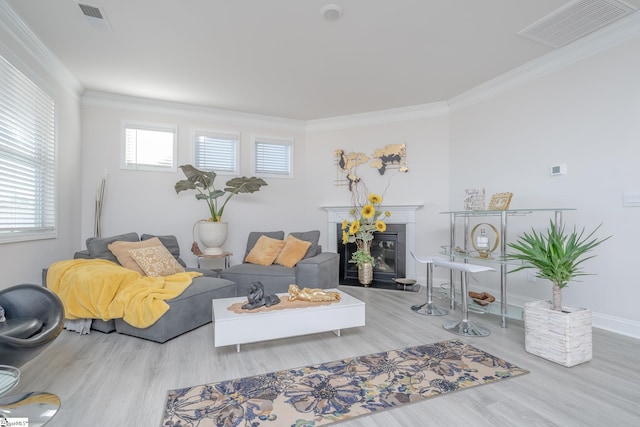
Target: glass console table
x=499, y=255
x=35, y=408
x=9, y=377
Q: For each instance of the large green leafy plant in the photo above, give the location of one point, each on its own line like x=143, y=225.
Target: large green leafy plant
x=556, y=254
x=203, y=182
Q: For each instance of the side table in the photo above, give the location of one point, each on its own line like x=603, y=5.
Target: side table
x=225, y=256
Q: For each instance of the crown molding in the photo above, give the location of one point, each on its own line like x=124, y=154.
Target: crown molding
x=131, y=103
x=606, y=38
x=610, y=36
x=16, y=28
x=402, y=114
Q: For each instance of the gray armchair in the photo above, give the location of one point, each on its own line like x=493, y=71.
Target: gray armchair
x=34, y=318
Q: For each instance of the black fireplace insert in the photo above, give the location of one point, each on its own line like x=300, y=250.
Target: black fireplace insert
x=389, y=251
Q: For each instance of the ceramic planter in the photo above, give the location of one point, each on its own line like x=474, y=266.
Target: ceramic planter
x=563, y=337
x=212, y=235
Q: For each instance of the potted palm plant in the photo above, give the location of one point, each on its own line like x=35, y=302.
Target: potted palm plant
x=212, y=231
x=557, y=333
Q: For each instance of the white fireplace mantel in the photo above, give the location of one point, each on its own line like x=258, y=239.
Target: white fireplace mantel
x=400, y=214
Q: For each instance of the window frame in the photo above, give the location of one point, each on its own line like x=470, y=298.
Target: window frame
x=157, y=127
x=235, y=136
x=290, y=142
x=44, y=160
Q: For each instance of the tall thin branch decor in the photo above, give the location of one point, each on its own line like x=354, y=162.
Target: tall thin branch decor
x=97, y=226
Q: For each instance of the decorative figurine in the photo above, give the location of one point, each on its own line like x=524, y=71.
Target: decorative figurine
x=256, y=297
x=312, y=295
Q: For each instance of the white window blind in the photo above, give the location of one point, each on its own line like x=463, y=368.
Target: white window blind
x=273, y=157
x=217, y=152
x=27, y=158
x=148, y=147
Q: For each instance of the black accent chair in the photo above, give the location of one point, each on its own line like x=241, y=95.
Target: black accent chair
x=34, y=318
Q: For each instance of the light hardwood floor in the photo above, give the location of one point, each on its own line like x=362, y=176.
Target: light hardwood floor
x=117, y=380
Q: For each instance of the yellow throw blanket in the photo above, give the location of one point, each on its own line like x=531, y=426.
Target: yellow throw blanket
x=101, y=289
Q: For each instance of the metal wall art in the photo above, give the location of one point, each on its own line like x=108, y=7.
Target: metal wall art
x=392, y=156
x=347, y=167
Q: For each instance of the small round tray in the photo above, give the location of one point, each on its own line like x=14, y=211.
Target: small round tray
x=9, y=377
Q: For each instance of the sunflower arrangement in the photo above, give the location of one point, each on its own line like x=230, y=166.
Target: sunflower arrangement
x=366, y=220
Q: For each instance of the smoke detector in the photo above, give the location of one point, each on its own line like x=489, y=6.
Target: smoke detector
x=331, y=11
x=574, y=20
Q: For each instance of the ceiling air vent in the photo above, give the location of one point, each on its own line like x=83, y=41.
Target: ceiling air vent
x=575, y=20
x=95, y=16
x=91, y=11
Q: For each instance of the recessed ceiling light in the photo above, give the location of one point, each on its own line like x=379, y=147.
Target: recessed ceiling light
x=331, y=11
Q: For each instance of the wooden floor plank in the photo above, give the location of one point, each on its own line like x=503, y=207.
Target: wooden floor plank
x=112, y=379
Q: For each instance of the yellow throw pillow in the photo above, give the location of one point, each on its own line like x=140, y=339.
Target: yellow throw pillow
x=292, y=252
x=121, y=250
x=156, y=261
x=265, y=251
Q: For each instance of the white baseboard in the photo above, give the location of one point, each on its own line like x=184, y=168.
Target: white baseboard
x=515, y=310
x=615, y=324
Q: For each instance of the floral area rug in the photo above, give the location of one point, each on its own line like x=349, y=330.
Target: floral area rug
x=330, y=392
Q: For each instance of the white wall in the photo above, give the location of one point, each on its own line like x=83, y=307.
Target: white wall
x=586, y=115
x=146, y=202
x=23, y=262
x=424, y=184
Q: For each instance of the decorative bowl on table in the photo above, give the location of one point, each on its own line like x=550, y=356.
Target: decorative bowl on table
x=406, y=284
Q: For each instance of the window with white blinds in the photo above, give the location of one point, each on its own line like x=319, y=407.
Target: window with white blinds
x=27, y=158
x=216, y=152
x=149, y=147
x=273, y=157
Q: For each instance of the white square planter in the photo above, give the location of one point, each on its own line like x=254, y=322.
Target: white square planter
x=561, y=337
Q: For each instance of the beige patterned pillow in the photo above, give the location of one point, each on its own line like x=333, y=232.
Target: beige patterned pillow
x=156, y=261
x=121, y=250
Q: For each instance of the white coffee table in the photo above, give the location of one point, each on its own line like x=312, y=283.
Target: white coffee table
x=233, y=328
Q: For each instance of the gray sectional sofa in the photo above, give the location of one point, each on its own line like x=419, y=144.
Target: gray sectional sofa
x=316, y=270
x=188, y=311
x=192, y=308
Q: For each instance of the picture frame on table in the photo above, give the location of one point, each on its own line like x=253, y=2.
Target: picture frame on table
x=500, y=201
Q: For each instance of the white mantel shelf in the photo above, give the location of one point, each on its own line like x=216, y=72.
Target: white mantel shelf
x=400, y=214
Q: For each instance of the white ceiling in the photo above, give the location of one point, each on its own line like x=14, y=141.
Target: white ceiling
x=281, y=58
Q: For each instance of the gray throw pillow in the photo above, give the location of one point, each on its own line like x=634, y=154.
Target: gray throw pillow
x=312, y=236
x=98, y=246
